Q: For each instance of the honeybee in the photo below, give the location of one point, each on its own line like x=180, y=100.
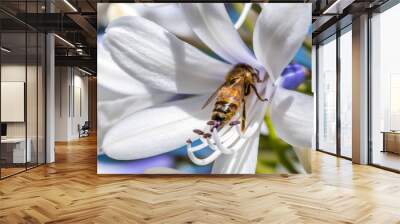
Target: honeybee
x=231, y=95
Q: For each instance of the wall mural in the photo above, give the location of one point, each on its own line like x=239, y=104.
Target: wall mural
x=204, y=88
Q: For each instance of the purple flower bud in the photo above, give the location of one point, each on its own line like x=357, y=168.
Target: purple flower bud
x=293, y=75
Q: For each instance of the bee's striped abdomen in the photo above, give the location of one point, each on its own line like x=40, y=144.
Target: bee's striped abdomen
x=227, y=104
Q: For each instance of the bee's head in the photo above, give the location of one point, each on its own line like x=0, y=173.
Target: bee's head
x=251, y=74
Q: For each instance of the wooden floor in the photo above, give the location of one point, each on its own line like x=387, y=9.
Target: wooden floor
x=70, y=191
x=10, y=171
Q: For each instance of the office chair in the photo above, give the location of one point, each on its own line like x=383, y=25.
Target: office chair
x=84, y=130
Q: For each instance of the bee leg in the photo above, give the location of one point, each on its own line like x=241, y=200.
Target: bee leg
x=266, y=76
x=257, y=76
x=243, y=126
x=257, y=94
x=246, y=90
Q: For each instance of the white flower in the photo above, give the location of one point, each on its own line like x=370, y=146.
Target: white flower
x=163, y=63
x=167, y=15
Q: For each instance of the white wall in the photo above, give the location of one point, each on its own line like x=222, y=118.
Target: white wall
x=62, y=81
x=17, y=73
x=12, y=101
x=80, y=109
x=71, y=102
x=33, y=126
x=14, y=73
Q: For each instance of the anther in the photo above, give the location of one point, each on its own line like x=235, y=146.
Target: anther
x=232, y=123
x=207, y=135
x=211, y=122
x=197, y=131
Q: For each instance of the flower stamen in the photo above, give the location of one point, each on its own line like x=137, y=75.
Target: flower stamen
x=233, y=123
x=199, y=132
x=207, y=135
x=225, y=140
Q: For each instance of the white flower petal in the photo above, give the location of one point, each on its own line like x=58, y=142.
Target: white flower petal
x=112, y=111
x=242, y=162
x=279, y=32
x=167, y=15
x=111, y=77
x=119, y=94
x=171, y=17
x=117, y=108
x=156, y=130
x=156, y=57
x=292, y=116
x=211, y=23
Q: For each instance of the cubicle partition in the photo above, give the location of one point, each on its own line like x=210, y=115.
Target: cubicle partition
x=22, y=95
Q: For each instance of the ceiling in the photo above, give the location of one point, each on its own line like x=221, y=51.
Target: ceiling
x=74, y=22
x=331, y=15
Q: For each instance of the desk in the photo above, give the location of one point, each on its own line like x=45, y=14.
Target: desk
x=18, y=149
x=391, y=141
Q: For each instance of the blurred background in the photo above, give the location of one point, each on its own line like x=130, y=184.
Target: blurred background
x=275, y=155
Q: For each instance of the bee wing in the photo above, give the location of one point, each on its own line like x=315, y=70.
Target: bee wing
x=213, y=95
